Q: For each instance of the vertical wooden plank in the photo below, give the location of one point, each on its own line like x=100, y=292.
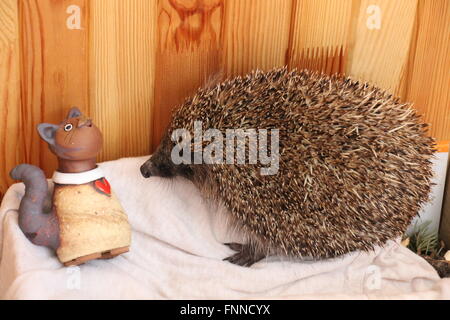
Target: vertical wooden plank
x=189, y=39
x=427, y=80
x=381, y=44
x=256, y=35
x=122, y=48
x=11, y=148
x=53, y=68
x=320, y=33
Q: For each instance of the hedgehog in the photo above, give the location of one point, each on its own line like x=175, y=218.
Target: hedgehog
x=354, y=162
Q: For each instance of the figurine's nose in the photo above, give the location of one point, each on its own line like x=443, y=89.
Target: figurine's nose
x=145, y=171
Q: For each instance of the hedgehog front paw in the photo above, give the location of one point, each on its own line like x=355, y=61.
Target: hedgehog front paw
x=245, y=256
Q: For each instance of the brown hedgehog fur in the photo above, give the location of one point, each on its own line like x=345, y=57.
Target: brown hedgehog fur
x=354, y=165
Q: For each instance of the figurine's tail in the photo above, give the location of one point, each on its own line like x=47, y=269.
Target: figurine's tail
x=40, y=227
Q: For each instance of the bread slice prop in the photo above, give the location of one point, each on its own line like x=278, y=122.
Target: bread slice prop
x=84, y=220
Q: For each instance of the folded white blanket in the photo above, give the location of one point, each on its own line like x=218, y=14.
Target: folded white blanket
x=177, y=251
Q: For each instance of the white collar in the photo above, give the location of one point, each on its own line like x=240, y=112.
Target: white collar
x=77, y=178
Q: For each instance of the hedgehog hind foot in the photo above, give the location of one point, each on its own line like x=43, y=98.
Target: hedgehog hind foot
x=245, y=256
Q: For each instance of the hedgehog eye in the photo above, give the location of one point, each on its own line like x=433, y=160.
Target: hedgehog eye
x=68, y=127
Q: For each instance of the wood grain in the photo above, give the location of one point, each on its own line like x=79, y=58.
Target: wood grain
x=380, y=55
x=133, y=61
x=122, y=50
x=54, y=73
x=427, y=80
x=320, y=34
x=11, y=147
x=255, y=35
x=188, y=53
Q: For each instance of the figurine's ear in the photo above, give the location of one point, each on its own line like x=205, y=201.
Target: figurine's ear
x=74, y=112
x=47, y=132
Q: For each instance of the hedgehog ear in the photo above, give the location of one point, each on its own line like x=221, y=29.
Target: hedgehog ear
x=74, y=112
x=47, y=132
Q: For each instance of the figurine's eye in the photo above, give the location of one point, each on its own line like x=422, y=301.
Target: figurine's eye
x=68, y=127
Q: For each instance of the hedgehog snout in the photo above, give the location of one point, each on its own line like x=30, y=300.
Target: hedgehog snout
x=145, y=171
x=158, y=169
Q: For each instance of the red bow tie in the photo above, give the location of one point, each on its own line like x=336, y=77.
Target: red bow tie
x=102, y=185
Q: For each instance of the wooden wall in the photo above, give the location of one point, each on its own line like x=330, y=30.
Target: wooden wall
x=127, y=63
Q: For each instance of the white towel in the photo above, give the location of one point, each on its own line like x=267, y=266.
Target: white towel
x=177, y=251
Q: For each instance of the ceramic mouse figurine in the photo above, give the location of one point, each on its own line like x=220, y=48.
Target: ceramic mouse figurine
x=83, y=220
